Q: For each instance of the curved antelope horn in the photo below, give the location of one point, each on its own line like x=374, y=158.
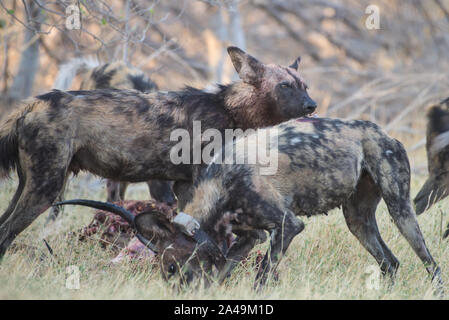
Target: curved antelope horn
x=107, y=206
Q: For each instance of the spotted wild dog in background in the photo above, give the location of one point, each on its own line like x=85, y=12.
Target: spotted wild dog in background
x=124, y=135
x=436, y=186
x=119, y=76
x=322, y=164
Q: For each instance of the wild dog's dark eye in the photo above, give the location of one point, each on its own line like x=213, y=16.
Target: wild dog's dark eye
x=285, y=85
x=171, y=269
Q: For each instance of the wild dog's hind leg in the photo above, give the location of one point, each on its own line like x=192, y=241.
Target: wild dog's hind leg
x=36, y=197
x=393, y=178
x=405, y=219
x=44, y=179
x=31, y=204
x=360, y=214
x=16, y=196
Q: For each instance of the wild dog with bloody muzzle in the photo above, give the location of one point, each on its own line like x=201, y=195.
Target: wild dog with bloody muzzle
x=321, y=164
x=124, y=135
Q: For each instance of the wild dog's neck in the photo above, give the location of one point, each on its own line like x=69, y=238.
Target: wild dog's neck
x=248, y=107
x=208, y=207
x=218, y=225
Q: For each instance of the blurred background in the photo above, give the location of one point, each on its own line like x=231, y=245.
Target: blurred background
x=387, y=68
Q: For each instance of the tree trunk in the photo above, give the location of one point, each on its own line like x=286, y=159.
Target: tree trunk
x=29, y=60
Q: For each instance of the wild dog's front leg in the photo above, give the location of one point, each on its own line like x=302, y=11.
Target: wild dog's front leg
x=287, y=226
x=123, y=186
x=115, y=190
x=240, y=249
x=16, y=197
x=44, y=178
x=360, y=215
x=161, y=190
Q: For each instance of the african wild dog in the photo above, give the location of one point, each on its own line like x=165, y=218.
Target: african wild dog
x=436, y=186
x=322, y=164
x=119, y=76
x=61, y=132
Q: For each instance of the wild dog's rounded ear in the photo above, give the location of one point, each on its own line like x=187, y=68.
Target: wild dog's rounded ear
x=250, y=69
x=156, y=228
x=295, y=64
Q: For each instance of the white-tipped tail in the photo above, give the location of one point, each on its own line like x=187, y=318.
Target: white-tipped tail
x=69, y=70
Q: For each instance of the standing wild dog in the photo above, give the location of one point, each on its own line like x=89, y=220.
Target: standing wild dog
x=436, y=186
x=124, y=135
x=119, y=76
x=322, y=164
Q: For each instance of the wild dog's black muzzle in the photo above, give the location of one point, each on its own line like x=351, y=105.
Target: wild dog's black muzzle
x=310, y=106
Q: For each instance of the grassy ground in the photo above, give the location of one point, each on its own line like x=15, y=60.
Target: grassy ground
x=324, y=262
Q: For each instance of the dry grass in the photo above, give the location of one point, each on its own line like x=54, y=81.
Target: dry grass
x=403, y=72
x=324, y=262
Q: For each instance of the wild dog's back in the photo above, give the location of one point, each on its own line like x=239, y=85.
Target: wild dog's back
x=322, y=163
x=332, y=151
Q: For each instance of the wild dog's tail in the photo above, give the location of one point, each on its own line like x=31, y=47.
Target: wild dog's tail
x=433, y=190
x=69, y=70
x=9, y=149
